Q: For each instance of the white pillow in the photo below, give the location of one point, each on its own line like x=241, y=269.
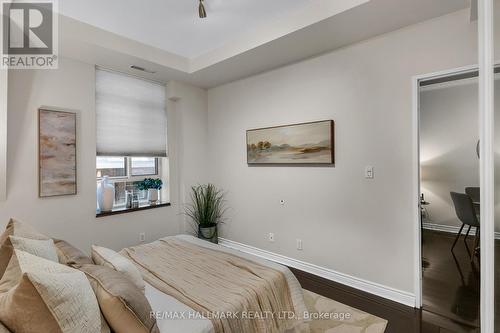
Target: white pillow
x=107, y=257
x=40, y=248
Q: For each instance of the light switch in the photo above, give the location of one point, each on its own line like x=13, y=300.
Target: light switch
x=369, y=172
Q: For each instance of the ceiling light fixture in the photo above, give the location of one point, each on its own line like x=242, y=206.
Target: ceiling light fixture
x=201, y=10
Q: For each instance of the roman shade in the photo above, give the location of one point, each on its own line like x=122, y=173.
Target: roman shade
x=130, y=116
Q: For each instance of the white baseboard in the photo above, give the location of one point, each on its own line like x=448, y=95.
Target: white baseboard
x=452, y=229
x=399, y=296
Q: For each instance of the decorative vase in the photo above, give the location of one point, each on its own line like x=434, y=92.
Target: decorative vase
x=106, y=195
x=209, y=233
x=153, y=195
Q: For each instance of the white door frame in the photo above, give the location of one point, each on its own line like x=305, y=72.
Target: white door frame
x=487, y=163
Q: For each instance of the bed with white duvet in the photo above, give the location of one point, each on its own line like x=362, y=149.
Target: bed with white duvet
x=174, y=316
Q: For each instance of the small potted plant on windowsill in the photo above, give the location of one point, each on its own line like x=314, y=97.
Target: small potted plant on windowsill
x=153, y=186
x=206, y=210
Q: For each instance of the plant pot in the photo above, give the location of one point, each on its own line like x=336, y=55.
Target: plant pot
x=209, y=234
x=153, y=195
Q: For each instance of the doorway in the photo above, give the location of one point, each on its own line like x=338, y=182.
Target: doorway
x=449, y=177
x=447, y=134
x=449, y=201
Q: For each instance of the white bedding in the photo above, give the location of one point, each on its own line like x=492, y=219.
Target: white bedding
x=161, y=303
x=169, y=310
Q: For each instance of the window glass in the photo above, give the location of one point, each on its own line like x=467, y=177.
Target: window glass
x=111, y=166
x=143, y=166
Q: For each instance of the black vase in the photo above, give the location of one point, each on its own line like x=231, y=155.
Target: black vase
x=209, y=234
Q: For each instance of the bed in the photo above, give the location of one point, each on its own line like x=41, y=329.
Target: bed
x=176, y=302
x=175, y=284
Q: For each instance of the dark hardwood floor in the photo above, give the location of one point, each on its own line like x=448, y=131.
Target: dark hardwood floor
x=450, y=291
x=450, y=282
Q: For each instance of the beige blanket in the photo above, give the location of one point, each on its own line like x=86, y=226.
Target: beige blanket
x=237, y=295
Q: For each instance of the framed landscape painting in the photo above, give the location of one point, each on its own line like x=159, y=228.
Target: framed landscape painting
x=56, y=153
x=306, y=143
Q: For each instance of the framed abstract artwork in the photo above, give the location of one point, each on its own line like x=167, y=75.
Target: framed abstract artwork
x=305, y=143
x=56, y=153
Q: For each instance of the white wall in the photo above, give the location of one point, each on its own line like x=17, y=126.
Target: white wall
x=449, y=130
x=188, y=119
x=363, y=228
x=3, y=133
x=72, y=87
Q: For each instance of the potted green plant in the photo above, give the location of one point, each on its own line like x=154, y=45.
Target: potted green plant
x=153, y=186
x=206, y=210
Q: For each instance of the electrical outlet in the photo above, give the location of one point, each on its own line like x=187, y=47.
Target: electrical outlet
x=142, y=237
x=299, y=244
x=271, y=236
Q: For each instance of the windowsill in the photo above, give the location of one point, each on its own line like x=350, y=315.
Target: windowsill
x=123, y=210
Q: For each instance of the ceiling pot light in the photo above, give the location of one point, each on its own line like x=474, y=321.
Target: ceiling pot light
x=201, y=10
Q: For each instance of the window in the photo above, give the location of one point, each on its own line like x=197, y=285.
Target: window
x=131, y=126
x=126, y=172
x=127, y=168
x=132, y=168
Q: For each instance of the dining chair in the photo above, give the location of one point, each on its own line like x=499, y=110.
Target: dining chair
x=464, y=208
x=474, y=194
